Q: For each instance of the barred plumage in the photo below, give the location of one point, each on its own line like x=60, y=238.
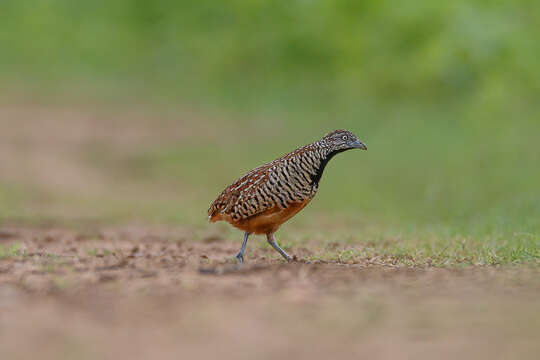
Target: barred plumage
x=267, y=196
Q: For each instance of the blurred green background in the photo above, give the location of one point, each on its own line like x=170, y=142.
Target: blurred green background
x=133, y=110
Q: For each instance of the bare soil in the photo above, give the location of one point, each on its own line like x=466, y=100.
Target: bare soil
x=143, y=292
x=156, y=293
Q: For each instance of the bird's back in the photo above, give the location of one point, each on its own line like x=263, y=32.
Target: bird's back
x=283, y=186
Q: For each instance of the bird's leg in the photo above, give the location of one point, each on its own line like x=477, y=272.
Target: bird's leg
x=271, y=241
x=240, y=255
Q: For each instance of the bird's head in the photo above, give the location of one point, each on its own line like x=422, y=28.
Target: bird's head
x=341, y=140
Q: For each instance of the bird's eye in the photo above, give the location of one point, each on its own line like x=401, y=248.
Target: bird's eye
x=344, y=137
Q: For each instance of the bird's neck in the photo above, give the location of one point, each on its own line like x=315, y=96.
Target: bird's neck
x=326, y=156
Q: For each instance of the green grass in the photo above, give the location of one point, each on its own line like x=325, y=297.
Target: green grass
x=10, y=252
x=439, y=251
x=95, y=252
x=420, y=247
x=258, y=56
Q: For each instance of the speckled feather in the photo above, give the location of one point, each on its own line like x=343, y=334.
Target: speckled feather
x=280, y=183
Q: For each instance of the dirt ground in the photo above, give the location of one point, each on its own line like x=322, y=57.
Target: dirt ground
x=145, y=292
x=154, y=293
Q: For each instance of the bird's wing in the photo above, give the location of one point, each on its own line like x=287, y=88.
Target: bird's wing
x=244, y=192
x=264, y=188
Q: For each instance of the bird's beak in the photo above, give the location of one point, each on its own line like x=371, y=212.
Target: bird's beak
x=359, y=145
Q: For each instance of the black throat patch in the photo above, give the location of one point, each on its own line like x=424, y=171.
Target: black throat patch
x=317, y=177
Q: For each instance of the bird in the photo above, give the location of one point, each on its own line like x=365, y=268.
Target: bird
x=262, y=200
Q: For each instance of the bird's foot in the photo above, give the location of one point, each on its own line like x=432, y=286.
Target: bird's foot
x=290, y=259
x=240, y=258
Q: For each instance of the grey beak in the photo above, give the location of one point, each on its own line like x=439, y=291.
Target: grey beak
x=360, y=145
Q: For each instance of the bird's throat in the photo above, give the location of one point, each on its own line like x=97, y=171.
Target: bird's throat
x=317, y=177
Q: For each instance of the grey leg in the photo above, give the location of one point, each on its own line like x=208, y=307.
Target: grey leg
x=240, y=255
x=271, y=241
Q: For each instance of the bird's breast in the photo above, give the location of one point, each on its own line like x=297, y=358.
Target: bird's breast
x=270, y=220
